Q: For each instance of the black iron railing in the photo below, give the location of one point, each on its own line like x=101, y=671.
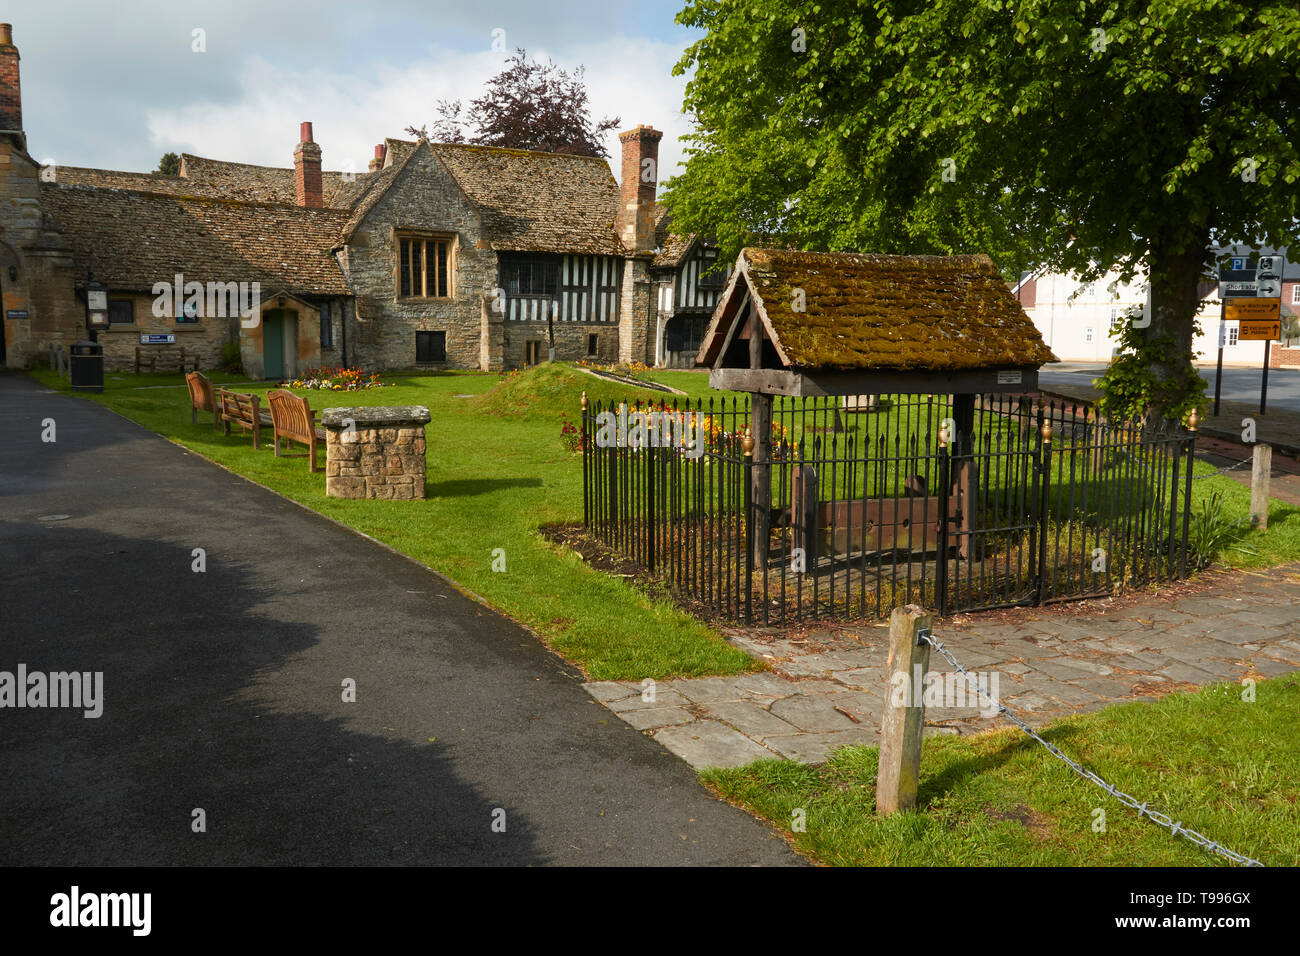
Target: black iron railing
x=866, y=504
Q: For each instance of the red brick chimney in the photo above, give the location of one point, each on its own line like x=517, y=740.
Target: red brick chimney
x=306, y=170
x=377, y=163
x=11, y=98
x=635, y=220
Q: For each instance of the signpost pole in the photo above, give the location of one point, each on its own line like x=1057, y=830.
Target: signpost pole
x=1218, y=371
x=1263, y=389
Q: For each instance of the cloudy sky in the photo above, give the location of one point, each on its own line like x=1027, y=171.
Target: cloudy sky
x=116, y=85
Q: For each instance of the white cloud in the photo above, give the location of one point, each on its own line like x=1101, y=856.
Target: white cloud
x=627, y=77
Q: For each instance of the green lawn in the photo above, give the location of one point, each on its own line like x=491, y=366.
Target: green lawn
x=1001, y=799
x=496, y=472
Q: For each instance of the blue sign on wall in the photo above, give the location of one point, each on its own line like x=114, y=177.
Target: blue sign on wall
x=157, y=339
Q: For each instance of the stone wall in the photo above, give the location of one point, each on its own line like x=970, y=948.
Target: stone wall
x=40, y=303
x=203, y=338
x=424, y=199
x=570, y=341
x=637, y=319
x=375, y=452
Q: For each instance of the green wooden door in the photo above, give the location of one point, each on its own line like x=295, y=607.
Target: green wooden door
x=273, y=346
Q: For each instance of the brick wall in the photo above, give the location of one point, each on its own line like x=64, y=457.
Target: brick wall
x=11, y=99
x=1282, y=357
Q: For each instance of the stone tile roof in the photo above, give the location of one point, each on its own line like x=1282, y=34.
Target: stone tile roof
x=539, y=202
x=530, y=201
x=217, y=179
x=267, y=183
x=119, y=179
x=672, y=246
x=907, y=313
x=133, y=239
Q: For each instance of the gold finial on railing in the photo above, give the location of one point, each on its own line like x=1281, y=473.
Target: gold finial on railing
x=747, y=443
x=1046, y=432
x=584, y=400
x=1193, y=420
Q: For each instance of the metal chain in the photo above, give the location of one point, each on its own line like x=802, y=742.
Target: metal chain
x=1177, y=829
x=1226, y=468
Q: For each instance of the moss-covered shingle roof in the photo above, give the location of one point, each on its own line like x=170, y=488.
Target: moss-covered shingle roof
x=672, y=246
x=905, y=313
x=133, y=239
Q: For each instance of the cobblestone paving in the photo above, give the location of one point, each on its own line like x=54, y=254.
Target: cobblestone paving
x=827, y=687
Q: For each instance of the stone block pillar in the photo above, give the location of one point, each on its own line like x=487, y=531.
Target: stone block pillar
x=375, y=452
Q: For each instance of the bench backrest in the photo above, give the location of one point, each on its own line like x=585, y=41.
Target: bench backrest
x=200, y=391
x=170, y=353
x=291, y=416
x=238, y=407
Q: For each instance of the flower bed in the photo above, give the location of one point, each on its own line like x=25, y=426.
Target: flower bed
x=335, y=380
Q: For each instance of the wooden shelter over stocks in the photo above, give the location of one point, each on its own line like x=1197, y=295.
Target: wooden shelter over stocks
x=857, y=324
x=821, y=323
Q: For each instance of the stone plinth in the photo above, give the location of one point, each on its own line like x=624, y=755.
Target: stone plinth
x=375, y=452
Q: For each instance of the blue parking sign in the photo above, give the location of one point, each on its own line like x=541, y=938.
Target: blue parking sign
x=1238, y=263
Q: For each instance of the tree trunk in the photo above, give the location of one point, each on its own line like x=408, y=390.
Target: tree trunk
x=1175, y=279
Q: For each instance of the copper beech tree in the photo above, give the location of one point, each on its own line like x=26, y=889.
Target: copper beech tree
x=528, y=105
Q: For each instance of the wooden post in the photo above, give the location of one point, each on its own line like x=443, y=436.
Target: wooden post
x=1259, y=475
x=761, y=429
x=965, y=479
x=900, y=730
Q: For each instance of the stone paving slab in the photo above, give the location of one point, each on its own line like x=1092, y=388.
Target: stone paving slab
x=826, y=687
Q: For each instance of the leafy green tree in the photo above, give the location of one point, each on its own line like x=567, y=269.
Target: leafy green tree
x=169, y=165
x=1076, y=134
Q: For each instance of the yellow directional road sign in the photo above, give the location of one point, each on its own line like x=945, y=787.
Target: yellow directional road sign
x=1253, y=310
x=1259, y=331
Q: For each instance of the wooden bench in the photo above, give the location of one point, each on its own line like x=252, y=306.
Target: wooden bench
x=293, y=420
x=245, y=411
x=860, y=525
x=152, y=356
x=201, y=398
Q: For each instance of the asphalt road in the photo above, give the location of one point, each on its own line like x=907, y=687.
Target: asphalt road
x=222, y=689
x=1239, y=384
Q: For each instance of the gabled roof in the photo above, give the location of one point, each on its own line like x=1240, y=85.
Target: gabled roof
x=374, y=190
x=529, y=201
x=672, y=246
x=133, y=239
x=539, y=202
x=902, y=313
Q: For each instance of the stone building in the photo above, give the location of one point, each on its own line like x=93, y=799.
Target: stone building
x=437, y=256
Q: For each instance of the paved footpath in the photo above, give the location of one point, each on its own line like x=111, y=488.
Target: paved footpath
x=826, y=687
x=222, y=689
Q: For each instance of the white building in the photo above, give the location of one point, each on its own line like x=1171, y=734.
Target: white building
x=1075, y=317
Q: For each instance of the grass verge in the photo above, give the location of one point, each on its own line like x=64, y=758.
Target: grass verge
x=1218, y=764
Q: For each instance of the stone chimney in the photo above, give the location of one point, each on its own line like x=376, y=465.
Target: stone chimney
x=377, y=163
x=11, y=98
x=306, y=170
x=635, y=220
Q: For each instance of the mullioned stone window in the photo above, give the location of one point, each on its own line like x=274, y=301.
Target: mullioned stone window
x=424, y=267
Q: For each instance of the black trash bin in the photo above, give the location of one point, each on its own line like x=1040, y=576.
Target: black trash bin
x=86, y=366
